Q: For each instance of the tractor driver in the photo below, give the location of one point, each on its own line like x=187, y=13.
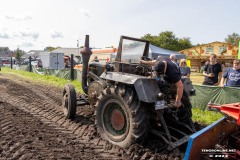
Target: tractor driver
x=164, y=66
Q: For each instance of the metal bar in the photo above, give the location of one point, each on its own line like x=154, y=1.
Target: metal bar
x=182, y=124
x=93, y=76
x=178, y=143
x=11, y=62
x=172, y=145
x=160, y=134
x=164, y=125
x=71, y=68
x=177, y=131
x=30, y=64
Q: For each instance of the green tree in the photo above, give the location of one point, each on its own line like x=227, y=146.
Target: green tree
x=184, y=43
x=151, y=39
x=233, y=39
x=49, y=48
x=169, y=41
x=18, y=54
x=4, y=49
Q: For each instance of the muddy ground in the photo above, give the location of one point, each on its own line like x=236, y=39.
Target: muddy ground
x=32, y=126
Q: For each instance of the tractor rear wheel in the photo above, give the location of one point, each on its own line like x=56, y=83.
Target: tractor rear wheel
x=185, y=113
x=120, y=118
x=69, y=101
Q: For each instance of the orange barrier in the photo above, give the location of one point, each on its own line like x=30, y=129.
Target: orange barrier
x=79, y=66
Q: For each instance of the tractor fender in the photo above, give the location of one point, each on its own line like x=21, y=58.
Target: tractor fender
x=146, y=88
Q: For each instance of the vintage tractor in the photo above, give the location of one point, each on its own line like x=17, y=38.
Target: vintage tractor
x=129, y=102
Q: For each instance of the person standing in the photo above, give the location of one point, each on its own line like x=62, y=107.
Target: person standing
x=95, y=59
x=212, y=71
x=232, y=75
x=0, y=65
x=174, y=59
x=184, y=69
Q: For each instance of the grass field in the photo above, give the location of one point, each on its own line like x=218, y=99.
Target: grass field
x=46, y=79
x=205, y=117
x=196, y=78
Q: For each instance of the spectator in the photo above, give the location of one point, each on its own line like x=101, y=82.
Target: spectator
x=232, y=75
x=212, y=71
x=95, y=59
x=174, y=59
x=66, y=65
x=184, y=69
x=206, y=63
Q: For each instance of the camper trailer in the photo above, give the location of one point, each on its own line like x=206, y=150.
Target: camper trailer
x=51, y=60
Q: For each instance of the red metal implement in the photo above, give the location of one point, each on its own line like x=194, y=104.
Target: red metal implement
x=232, y=110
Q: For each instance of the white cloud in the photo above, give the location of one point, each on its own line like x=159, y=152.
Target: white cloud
x=4, y=36
x=27, y=18
x=27, y=44
x=9, y=17
x=24, y=18
x=26, y=34
x=85, y=13
x=56, y=34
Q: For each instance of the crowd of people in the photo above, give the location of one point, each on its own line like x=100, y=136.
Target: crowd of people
x=212, y=73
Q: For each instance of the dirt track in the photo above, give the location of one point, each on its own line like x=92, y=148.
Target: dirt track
x=32, y=126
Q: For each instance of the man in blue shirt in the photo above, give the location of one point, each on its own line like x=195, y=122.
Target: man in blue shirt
x=232, y=75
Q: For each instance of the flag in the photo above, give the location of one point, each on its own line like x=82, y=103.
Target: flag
x=188, y=63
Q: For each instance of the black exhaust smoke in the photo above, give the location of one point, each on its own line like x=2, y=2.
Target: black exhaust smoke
x=86, y=53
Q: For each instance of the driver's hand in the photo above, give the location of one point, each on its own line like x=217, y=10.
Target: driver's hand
x=178, y=104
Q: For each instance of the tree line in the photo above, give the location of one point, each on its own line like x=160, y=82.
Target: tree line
x=166, y=40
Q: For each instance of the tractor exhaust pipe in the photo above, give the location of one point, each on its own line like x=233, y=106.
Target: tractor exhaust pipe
x=86, y=53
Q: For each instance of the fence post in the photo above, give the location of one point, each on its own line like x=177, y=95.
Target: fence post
x=11, y=62
x=30, y=64
x=71, y=68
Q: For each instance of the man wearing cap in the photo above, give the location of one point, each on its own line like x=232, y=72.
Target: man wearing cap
x=232, y=75
x=164, y=66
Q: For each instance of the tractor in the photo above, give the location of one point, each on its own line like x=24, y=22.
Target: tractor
x=129, y=103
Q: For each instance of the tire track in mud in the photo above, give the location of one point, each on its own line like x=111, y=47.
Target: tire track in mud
x=43, y=103
x=25, y=137
x=50, y=115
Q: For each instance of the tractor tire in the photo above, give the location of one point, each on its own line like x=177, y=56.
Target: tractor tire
x=120, y=117
x=185, y=112
x=69, y=101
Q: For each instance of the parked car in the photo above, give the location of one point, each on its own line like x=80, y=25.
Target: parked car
x=37, y=64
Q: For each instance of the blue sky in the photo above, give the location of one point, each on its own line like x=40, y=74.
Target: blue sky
x=35, y=24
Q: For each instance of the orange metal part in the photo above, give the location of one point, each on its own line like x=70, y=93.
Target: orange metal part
x=232, y=110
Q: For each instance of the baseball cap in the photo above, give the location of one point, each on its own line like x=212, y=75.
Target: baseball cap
x=159, y=67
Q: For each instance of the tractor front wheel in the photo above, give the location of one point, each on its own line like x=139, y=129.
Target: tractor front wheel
x=69, y=101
